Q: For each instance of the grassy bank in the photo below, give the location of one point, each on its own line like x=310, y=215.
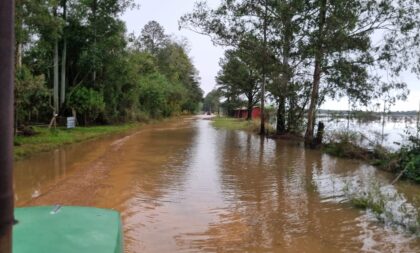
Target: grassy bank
x=345, y=145
x=239, y=124
x=46, y=139
x=231, y=123
x=404, y=162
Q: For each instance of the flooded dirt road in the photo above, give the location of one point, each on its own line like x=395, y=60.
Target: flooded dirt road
x=184, y=186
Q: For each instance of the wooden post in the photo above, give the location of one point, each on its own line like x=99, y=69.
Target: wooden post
x=7, y=10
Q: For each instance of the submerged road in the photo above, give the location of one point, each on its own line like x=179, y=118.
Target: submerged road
x=184, y=186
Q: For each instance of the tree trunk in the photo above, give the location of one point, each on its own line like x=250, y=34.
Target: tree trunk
x=249, y=107
x=286, y=75
x=19, y=25
x=309, y=135
x=281, y=112
x=63, y=73
x=319, y=135
x=55, y=92
x=281, y=116
x=249, y=114
x=319, y=56
x=94, y=41
x=63, y=61
x=291, y=115
x=19, y=52
x=262, y=126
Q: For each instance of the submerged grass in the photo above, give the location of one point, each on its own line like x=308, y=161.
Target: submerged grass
x=240, y=124
x=49, y=139
x=368, y=202
x=230, y=123
x=404, y=162
x=385, y=203
x=348, y=145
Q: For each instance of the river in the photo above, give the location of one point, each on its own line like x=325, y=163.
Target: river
x=184, y=186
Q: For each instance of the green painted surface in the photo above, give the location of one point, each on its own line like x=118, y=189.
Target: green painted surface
x=70, y=229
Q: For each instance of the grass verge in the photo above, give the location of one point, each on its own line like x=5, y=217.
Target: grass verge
x=49, y=139
x=240, y=124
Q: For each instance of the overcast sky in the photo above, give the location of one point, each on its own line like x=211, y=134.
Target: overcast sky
x=206, y=56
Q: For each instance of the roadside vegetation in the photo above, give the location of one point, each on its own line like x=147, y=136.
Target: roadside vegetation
x=75, y=59
x=102, y=76
x=46, y=139
x=239, y=124
x=231, y=123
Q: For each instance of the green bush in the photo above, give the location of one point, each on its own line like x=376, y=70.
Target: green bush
x=154, y=94
x=31, y=96
x=412, y=166
x=87, y=102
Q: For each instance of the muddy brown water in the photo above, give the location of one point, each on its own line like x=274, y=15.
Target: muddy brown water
x=184, y=186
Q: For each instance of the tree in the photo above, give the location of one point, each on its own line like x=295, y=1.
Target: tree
x=80, y=51
x=230, y=23
x=240, y=74
x=174, y=62
x=152, y=37
x=278, y=29
x=55, y=73
x=288, y=67
x=319, y=53
x=31, y=96
x=89, y=103
x=340, y=43
x=212, y=101
x=331, y=38
x=153, y=95
x=63, y=56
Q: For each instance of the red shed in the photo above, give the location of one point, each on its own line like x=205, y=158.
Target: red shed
x=243, y=112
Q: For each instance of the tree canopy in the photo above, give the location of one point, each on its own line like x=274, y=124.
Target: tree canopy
x=75, y=56
x=310, y=51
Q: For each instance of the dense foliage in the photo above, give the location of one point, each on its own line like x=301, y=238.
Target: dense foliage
x=74, y=56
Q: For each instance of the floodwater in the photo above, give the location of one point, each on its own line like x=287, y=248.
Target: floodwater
x=184, y=186
x=390, y=132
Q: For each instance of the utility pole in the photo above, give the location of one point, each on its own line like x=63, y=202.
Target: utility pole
x=7, y=41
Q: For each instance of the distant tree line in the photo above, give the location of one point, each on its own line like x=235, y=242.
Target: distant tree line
x=74, y=57
x=298, y=53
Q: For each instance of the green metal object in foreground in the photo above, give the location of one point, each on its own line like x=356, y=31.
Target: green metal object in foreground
x=67, y=229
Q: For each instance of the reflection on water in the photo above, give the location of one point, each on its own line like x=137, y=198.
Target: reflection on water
x=183, y=186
